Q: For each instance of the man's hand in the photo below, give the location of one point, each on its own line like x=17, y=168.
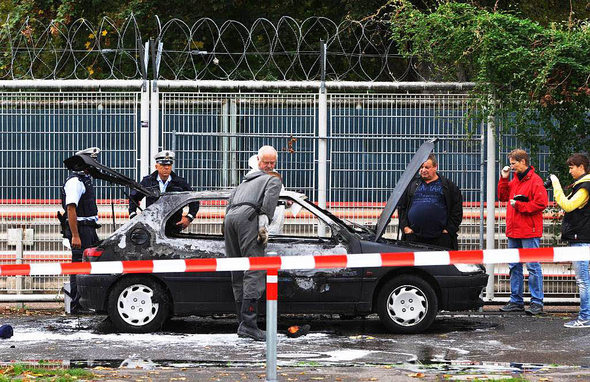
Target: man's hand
x=184, y=222
x=262, y=236
x=76, y=242
x=445, y=231
x=505, y=172
x=408, y=230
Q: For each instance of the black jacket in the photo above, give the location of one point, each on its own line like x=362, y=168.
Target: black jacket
x=177, y=184
x=453, y=199
x=576, y=224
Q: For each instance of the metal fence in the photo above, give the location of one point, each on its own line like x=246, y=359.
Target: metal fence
x=37, y=131
x=369, y=138
x=284, y=49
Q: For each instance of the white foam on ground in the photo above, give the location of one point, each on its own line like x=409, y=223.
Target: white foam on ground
x=346, y=355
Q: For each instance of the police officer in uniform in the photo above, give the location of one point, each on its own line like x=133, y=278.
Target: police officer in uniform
x=78, y=199
x=165, y=180
x=250, y=209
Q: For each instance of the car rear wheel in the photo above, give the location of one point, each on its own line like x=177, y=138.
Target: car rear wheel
x=138, y=305
x=407, y=304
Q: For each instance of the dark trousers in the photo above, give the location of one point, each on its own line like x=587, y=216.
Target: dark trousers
x=88, y=237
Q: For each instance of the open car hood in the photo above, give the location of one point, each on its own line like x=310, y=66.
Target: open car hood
x=420, y=157
x=87, y=163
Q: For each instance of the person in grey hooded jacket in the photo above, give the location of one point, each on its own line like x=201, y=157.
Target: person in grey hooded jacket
x=250, y=209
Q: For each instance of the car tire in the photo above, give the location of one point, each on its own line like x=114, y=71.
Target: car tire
x=138, y=305
x=407, y=304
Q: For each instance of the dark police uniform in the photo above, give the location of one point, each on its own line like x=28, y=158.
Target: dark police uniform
x=87, y=213
x=176, y=184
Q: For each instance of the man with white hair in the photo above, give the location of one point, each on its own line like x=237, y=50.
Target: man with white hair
x=250, y=209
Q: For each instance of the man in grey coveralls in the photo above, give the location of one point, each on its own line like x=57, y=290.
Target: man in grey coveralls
x=250, y=209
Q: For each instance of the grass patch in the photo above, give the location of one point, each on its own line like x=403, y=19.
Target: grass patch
x=28, y=372
x=308, y=364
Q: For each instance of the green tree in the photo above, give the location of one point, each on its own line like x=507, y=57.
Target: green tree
x=534, y=77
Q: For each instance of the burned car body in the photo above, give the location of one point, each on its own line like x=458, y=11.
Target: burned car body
x=407, y=299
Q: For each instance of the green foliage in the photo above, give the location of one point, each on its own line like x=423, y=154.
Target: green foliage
x=27, y=372
x=534, y=78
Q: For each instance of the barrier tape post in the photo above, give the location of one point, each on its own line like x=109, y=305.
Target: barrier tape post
x=272, y=279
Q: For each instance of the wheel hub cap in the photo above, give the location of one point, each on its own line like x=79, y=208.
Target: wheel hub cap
x=407, y=305
x=135, y=305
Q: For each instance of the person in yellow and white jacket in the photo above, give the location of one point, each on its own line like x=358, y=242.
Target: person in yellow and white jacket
x=575, y=228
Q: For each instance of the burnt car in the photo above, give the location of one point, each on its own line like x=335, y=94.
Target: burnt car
x=406, y=299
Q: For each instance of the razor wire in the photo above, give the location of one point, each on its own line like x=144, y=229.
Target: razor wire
x=287, y=49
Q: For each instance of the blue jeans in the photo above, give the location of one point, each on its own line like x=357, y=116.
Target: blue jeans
x=583, y=281
x=517, y=277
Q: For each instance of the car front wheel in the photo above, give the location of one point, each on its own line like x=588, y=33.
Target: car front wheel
x=138, y=305
x=407, y=304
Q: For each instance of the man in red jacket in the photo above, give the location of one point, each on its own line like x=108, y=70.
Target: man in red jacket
x=527, y=199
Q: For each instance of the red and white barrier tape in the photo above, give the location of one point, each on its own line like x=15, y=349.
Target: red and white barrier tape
x=272, y=287
x=397, y=259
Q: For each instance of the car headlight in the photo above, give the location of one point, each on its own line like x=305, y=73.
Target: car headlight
x=467, y=268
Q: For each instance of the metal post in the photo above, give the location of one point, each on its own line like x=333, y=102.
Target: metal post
x=155, y=143
x=144, y=135
x=322, y=138
x=154, y=123
x=233, y=144
x=482, y=192
x=272, y=279
x=491, y=200
x=19, y=258
x=225, y=145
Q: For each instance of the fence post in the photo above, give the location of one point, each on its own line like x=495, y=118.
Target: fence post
x=19, y=258
x=225, y=145
x=491, y=200
x=233, y=144
x=144, y=135
x=144, y=131
x=322, y=137
x=157, y=47
x=15, y=236
x=272, y=279
x=154, y=123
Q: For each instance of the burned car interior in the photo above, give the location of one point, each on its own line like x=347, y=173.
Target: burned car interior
x=291, y=220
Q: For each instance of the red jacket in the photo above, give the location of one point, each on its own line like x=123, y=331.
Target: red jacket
x=525, y=219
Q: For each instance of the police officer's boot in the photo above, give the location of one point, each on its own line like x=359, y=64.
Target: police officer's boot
x=248, y=327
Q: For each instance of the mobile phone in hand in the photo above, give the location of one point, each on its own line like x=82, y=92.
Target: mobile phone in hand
x=521, y=198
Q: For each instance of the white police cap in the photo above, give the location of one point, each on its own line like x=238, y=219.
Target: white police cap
x=165, y=157
x=92, y=151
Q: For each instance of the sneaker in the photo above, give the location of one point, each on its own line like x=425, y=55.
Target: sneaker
x=512, y=307
x=577, y=324
x=535, y=309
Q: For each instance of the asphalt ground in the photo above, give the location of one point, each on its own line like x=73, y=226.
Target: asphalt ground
x=484, y=345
